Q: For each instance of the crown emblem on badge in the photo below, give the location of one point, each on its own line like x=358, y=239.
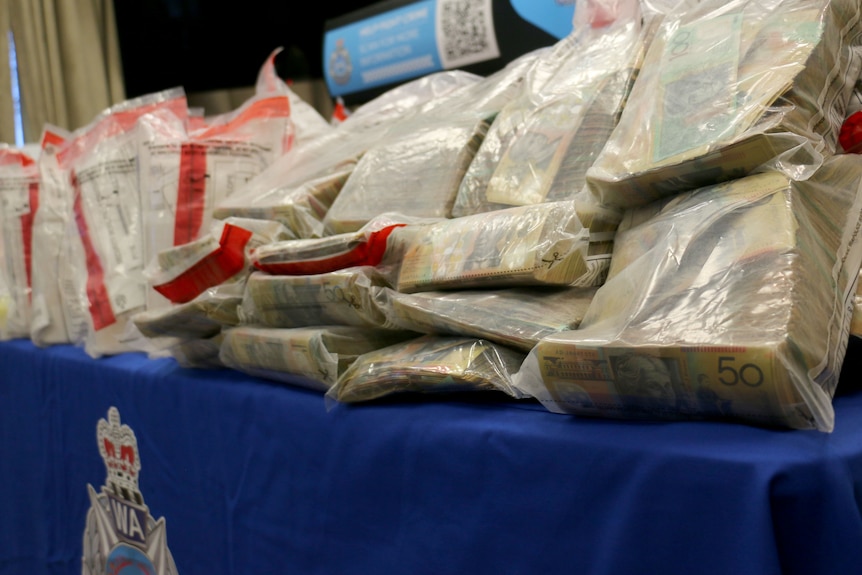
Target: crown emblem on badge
x=119, y=449
x=121, y=535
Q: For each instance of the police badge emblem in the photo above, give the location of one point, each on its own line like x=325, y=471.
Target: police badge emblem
x=121, y=537
x=340, y=67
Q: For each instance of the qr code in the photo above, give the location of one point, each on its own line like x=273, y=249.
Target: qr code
x=465, y=32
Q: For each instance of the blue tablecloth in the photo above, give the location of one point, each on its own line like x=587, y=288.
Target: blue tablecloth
x=258, y=477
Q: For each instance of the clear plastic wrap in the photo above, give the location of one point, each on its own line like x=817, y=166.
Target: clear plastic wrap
x=731, y=302
x=339, y=149
x=555, y=243
x=202, y=317
x=416, y=171
x=730, y=87
x=540, y=145
x=403, y=110
x=514, y=317
x=299, y=188
x=102, y=268
x=428, y=364
x=199, y=353
x=50, y=226
x=182, y=273
x=408, y=99
x=300, y=205
x=342, y=297
x=19, y=202
x=318, y=355
x=490, y=95
x=850, y=134
x=308, y=124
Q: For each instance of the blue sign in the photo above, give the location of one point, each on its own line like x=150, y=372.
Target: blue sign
x=426, y=36
x=394, y=46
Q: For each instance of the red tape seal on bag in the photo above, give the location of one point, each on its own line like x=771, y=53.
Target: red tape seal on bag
x=98, y=299
x=368, y=253
x=219, y=266
x=850, y=136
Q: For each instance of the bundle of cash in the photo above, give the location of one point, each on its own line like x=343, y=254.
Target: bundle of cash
x=342, y=297
x=312, y=357
x=199, y=353
x=539, y=147
x=514, y=317
x=531, y=161
x=364, y=247
x=300, y=207
x=555, y=243
x=416, y=171
x=728, y=88
x=203, y=317
x=505, y=127
x=732, y=301
x=428, y=364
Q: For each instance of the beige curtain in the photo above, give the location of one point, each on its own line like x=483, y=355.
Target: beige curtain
x=7, y=125
x=68, y=61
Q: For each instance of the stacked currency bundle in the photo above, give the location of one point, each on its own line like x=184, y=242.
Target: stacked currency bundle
x=342, y=297
x=416, y=171
x=367, y=246
x=565, y=243
x=312, y=357
x=314, y=166
x=299, y=206
x=732, y=301
x=540, y=145
x=513, y=317
x=201, y=318
x=199, y=353
x=19, y=197
x=727, y=88
x=428, y=364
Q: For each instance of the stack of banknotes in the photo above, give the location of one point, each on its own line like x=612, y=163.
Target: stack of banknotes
x=540, y=145
x=416, y=171
x=513, y=317
x=342, y=297
x=731, y=301
x=299, y=206
x=428, y=364
x=730, y=87
x=313, y=357
x=555, y=243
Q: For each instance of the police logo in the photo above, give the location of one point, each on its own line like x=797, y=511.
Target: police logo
x=340, y=67
x=121, y=537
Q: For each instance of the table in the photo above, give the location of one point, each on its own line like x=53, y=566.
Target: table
x=253, y=476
